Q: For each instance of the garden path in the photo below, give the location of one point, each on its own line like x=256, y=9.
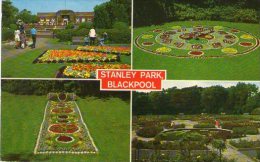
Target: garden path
x=9, y=51
x=188, y=123
x=140, y=138
x=231, y=153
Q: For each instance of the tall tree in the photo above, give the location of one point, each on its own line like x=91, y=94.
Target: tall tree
x=9, y=13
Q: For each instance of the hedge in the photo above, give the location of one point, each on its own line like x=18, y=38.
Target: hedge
x=7, y=34
x=114, y=35
x=204, y=125
x=149, y=132
x=256, y=111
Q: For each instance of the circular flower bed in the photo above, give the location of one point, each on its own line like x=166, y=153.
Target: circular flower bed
x=62, y=96
x=64, y=139
x=63, y=128
x=147, y=43
x=246, y=36
x=229, y=50
x=246, y=44
x=62, y=110
x=234, y=30
x=146, y=36
x=163, y=50
x=196, y=53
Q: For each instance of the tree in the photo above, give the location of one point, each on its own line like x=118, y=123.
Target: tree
x=27, y=17
x=220, y=145
x=213, y=99
x=9, y=13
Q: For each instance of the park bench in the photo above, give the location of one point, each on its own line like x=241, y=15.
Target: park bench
x=77, y=40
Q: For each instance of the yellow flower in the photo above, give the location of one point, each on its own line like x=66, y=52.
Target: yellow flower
x=147, y=36
x=246, y=36
x=218, y=28
x=229, y=50
x=163, y=50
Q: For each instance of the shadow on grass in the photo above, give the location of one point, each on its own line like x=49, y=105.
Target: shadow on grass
x=23, y=157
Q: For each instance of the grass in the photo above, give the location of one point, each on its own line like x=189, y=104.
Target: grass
x=107, y=120
x=246, y=67
x=21, y=66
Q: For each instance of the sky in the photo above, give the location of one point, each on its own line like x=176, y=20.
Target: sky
x=54, y=5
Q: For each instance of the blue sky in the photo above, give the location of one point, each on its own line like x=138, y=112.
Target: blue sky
x=54, y=5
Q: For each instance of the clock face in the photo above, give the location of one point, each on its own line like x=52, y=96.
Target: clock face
x=197, y=41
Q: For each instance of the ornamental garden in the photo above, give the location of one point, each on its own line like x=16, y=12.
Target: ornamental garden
x=85, y=60
x=63, y=130
x=197, y=123
x=197, y=41
x=203, y=50
x=75, y=122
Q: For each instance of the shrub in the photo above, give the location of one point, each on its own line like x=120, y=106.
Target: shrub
x=177, y=135
x=256, y=111
x=7, y=34
x=245, y=144
x=204, y=125
x=149, y=132
x=120, y=26
x=245, y=130
x=85, y=25
x=222, y=135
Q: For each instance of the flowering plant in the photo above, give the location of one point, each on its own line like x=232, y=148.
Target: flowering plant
x=106, y=49
x=53, y=56
x=64, y=132
x=89, y=70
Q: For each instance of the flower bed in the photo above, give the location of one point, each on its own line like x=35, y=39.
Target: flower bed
x=245, y=144
x=89, y=70
x=106, y=49
x=60, y=56
x=63, y=132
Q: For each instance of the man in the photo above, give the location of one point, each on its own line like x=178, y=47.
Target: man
x=92, y=36
x=33, y=34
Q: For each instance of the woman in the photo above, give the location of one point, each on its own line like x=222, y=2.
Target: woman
x=92, y=36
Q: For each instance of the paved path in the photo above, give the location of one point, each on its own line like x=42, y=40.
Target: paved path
x=231, y=153
x=9, y=51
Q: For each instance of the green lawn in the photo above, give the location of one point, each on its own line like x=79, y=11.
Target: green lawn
x=107, y=120
x=246, y=67
x=21, y=66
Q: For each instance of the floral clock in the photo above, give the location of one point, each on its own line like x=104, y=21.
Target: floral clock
x=197, y=41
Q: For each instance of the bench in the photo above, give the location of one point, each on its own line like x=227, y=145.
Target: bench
x=77, y=40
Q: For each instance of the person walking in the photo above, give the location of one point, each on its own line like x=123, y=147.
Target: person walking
x=33, y=34
x=92, y=35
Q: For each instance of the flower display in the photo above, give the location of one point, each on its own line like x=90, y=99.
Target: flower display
x=89, y=70
x=229, y=50
x=246, y=44
x=147, y=43
x=106, y=49
x=246, y=36
x=54, y=56
x=196, y=53
x=177, y=41
x=163, y=50
x=147, y=36
x=64, y=132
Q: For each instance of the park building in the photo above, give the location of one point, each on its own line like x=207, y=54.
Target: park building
x=63, y=17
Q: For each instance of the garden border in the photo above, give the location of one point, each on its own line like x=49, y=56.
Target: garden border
x=65, y=152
